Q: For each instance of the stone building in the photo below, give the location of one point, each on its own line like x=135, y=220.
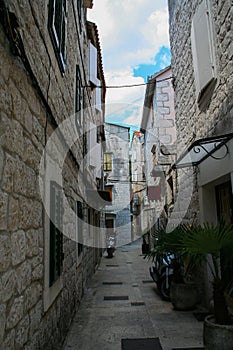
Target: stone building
x=158, y=127
x=117, y=182
x=138, y=183
x=50, y=79
x=201, y=34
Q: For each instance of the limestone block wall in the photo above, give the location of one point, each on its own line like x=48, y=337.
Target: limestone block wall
x=25, y=126
x=191, y=122
x=164, y=113
x=117, y=143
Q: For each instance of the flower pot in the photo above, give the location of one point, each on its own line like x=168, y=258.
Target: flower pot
x=184, y=296
x=216, y=336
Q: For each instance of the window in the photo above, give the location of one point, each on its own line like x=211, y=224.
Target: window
x=224, y=202
x=78, y=91
x=203, y=50
x=84, y=149
x=56, y=236
x=79, y=6
x=93, y=65
x=98, y=93
x=57, y=29
x=79, y=227
x=107, y=162
x=109, y=188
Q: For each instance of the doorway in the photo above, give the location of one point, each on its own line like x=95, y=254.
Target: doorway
x=224, y=201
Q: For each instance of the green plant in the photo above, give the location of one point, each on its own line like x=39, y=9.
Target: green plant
x=169, y=244
x=209, y=240
x=194, y=245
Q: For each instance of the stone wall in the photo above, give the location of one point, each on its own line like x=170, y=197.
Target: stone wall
x=26, y=125
x=117, y=143
x=191, y=122
x=164, y=109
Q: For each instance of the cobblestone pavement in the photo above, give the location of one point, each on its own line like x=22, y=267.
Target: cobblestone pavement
x=101, y=323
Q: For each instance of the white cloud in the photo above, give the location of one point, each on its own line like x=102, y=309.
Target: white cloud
x=124, y=103
x=121, y=77
x=155, y=30
x=131, y=33
x=135, y=117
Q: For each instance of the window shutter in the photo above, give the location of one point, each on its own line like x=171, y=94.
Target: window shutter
x=57, y=19
x=56, y=236
x=88, y=4
x=78, y=92
x=79, y=5
x=202, y=47
x=79, y=226
x=154, y=193
x=93, y=64
x=98, y=101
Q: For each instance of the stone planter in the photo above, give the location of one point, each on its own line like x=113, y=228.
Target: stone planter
x=184, y=296
x=216, y=336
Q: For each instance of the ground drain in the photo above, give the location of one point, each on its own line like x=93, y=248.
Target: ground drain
x=141, y=344
x=129, y=262
x=112, y=283
x=137, y=303
x=148, y=281
x=116, y=297
x=112, y=265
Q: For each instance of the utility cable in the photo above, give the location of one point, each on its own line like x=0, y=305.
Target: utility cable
x=132, y=85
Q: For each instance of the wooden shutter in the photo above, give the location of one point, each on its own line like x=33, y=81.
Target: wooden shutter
x=202, y=47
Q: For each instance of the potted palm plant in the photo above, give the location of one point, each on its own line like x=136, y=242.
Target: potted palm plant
x=183, y=291
x=196, y=245
x=205, y=243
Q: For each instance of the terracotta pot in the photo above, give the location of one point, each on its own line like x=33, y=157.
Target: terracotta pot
x=216, y=336
x=184, y=296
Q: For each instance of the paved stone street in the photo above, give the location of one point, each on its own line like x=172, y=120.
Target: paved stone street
x=101, y=323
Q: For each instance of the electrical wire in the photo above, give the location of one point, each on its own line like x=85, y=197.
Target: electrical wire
x=132, y=85
x=126, y=181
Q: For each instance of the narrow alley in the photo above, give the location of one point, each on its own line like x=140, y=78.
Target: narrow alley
x=122, y=303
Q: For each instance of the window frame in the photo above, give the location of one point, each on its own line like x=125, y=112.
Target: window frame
x=107, y=162
x=58, y=37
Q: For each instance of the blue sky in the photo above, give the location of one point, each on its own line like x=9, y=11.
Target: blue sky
x=135, y=44
x=162, y=59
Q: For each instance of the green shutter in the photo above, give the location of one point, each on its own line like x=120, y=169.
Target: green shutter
x=56, y=236
x=78, y=92
x=80, y=218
